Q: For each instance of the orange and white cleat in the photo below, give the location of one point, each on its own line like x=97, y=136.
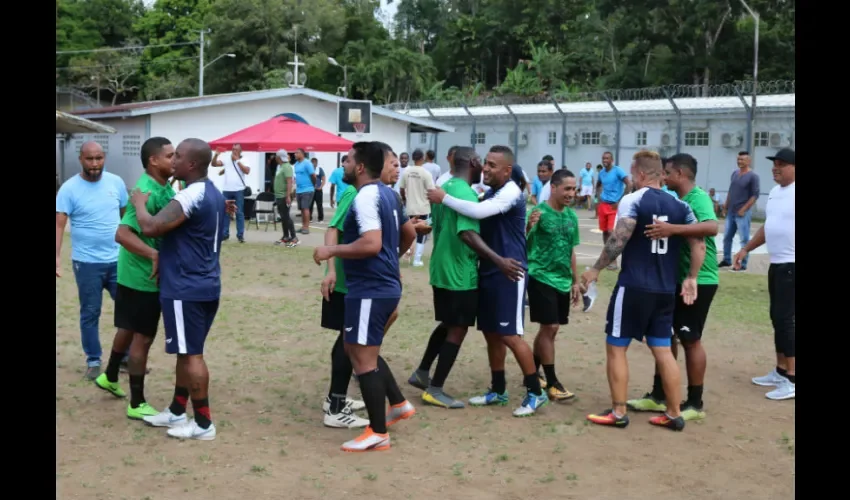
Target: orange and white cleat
x=368, y=441
x=401, y=411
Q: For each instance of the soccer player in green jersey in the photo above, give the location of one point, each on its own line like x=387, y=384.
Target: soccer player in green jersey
x=552, y=235
x=137, y=306
x=688, y=320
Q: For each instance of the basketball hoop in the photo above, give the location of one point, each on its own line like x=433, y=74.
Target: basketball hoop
x=359, y=128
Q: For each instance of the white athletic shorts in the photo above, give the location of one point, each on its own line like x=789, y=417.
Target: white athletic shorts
x=586, y=191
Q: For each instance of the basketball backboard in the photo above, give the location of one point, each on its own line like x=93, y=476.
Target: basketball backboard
x=351, y=112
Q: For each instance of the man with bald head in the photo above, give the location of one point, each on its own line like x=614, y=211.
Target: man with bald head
x=94, y=201
x=192, y=226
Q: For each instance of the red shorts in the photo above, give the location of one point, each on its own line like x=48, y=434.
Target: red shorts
x=607, y=215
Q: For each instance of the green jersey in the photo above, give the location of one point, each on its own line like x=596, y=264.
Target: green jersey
x=453, y=265
x=703, y=208
x=134, y=271
x=283, y=173
x=337, y=223
x=550, y=247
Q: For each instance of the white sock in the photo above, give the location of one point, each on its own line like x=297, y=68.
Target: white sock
x=420, y=248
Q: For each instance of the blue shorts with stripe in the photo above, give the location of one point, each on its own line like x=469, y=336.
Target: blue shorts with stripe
x=501, y=307
x=366, y=319
x=187, y=325
x=634, y=314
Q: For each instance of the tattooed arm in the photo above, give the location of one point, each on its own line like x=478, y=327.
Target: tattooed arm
x=616, y=242
x=168, y=219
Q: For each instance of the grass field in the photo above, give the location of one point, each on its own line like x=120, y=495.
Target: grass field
x=269, y=362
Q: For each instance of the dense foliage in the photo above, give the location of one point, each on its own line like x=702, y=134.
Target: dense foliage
x=436, y=49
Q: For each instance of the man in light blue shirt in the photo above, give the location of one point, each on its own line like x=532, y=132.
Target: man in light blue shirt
x=338, y=186
x=94, y=201
x=305, y=187
x=586, y=185
x=615, y=184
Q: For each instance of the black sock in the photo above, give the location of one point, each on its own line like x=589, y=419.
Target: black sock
x=340, y=376
x=448, y=355
x=114, y=366
x=394, y=394
x=137, y=390
x=658, y=388
x=792, y=378
x=438, y=336
x=695, y=396
x=178, y=404
x=202, y=412
x=537, y=363
x=532, y=383
x=551, y=378
x=781, y=371
x=373, y=388
x=497, y=382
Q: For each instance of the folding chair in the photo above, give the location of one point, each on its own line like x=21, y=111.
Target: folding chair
x=267, y=206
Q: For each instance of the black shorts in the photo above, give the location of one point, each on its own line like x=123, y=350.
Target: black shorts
x=333, y=312
x=635, y=315
x=689, y=320
x=137, y=311
x=546, y=305
x=455, y=307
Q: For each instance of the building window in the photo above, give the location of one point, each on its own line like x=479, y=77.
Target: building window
x=423, y=138
x=131, y=145
x=761, y=139
x=480, y=138
x=553, y=138
x=640, y=139
x=78, y=145
x=696, y=138
x=590, y=138
x=103, y=140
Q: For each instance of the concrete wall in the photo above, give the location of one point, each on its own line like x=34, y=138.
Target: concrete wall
x=123, y=149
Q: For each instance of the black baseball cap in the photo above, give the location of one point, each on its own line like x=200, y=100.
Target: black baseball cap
x=784, y=155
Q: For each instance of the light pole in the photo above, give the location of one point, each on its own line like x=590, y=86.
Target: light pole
x=756, y=19
x=344, y=75
x=201, y=64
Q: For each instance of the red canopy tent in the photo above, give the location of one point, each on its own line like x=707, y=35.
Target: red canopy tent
x=283, y=133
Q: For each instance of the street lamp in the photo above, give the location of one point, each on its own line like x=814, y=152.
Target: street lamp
x=756, y=19
x=204, y=66
x=344, y=75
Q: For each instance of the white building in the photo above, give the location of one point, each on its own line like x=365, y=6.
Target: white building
x=713, y=130
x=215, y=116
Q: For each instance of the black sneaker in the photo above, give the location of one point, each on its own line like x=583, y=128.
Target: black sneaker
x=724, y=263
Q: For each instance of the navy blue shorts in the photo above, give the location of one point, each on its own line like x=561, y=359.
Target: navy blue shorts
x=633, y=315
x=187, y=325
x=366, y=319
x=500, y=305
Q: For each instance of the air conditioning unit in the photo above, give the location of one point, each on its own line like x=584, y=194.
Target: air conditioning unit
x=666, y=140
x=607, y=139
x=523, y=139
x=732, y=139
x=780, y=140
x=571, y=140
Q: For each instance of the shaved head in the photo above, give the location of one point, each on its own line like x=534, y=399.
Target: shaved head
x=92, y=159
x=90, y=147
x=192, y=160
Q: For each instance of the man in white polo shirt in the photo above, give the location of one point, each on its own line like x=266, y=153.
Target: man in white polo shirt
x=779, y=232
x=235, y=169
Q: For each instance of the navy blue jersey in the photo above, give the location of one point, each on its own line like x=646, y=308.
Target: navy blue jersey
x=189, y=266
x=652, y=265
x=504, y=232
x=375, y=208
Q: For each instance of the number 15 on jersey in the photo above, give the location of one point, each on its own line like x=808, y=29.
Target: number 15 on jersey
x=659, y=246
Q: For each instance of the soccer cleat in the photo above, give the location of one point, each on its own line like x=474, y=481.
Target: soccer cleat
x=490, y=398
x=355, y=404
x=784, y=390
x=557, y=392
x=668, y=422
x=691, y=411
x=647, y=403
x=543, y=383
x=141, y=411
x=420, y=379
x=401, y=411
x=608, y=417
x=436, y=397
x=772, y=379
x=165, y=419
x=531, y=404
x=345, y=419
x=193, y=431
x=368, y=441
x=110, y=387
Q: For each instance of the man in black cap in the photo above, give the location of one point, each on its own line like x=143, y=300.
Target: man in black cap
x=779, y=232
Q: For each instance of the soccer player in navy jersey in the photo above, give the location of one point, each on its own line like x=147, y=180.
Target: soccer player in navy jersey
x=501, y=282
x=373, y=233
x=192, y=225
x=643, y=300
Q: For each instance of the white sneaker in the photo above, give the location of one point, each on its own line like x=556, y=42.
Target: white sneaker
x=166, y=419
x=772, y=379
x=193, y=431
x=345, y=419
x=784, y=390
x=403, y=411
x=354, y=404
x=368, y=441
